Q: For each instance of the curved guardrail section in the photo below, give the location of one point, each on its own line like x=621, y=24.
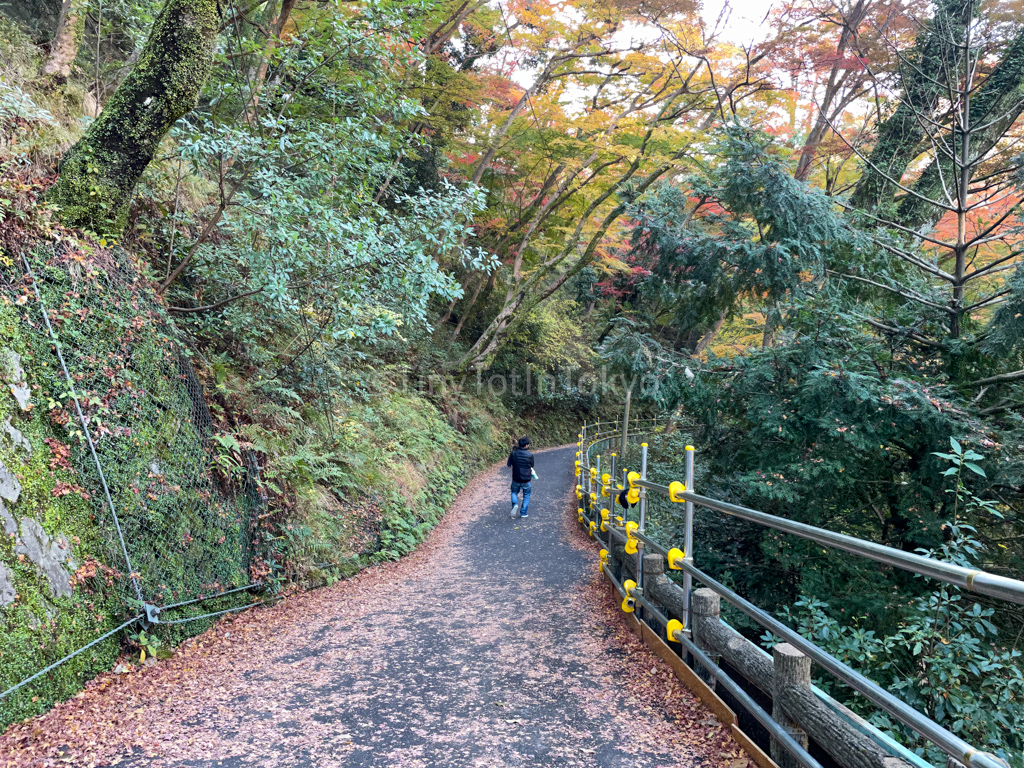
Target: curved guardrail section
x=701, y=634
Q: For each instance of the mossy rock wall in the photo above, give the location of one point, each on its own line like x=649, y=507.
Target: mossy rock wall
x=184, y=530
x=56, y=590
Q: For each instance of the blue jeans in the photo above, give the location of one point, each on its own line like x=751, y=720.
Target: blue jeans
x=525, y=488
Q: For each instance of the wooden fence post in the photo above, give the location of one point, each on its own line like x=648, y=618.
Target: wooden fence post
x=791, y=670
x=705, y=607
x=653, y=565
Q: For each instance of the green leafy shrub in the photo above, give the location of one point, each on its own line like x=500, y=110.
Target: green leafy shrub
x=944, y=656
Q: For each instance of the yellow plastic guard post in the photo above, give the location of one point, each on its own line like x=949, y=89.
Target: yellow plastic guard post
x=593, y=474
x=631, y=540
x=676, y=491
x=673, y=626
x=579, y=514
x=604, y=519
x=579, y=491
x=629, y=602
x=618, y=519
x=673, y=555
x=633, y=494
x=593, y=527
x=605, y=480
x=604, y=559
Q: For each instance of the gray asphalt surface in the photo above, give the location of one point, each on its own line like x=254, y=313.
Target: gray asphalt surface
x=495, y=644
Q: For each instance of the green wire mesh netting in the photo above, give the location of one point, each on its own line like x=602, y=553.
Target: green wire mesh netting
x=175, y=509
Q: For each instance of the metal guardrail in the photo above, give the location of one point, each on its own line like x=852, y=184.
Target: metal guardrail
x=777, y=731
x=977, y=581
x=974, y=580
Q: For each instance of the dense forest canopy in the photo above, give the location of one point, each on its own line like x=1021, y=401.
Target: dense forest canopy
x=811, y=242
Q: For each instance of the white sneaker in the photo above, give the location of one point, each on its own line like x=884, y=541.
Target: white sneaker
x=515, y=512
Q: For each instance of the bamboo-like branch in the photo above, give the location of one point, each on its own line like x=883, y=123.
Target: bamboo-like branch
x=895, y=225
x=913, y=335
x=910, y=258
x=992, y=266
x=995, y=298
x=905, y=294
x=216, y=305
x=1002, y=378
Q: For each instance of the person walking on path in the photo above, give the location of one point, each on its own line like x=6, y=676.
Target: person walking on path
x=521, y=461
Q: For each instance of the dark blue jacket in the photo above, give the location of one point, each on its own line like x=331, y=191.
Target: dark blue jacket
x=521, y=461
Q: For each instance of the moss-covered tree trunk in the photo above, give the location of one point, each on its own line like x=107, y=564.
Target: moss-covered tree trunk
x=924, y=82
x=995, y=108
x=98, y=174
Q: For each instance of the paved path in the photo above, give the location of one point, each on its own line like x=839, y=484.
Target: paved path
x=495, y=644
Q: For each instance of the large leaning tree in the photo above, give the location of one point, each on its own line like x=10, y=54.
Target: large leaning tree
x=99, y=173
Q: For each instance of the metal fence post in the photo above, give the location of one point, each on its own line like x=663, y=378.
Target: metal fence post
x=642, y=514
x=609, y=503
x=625, y=422
x=688, y=535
